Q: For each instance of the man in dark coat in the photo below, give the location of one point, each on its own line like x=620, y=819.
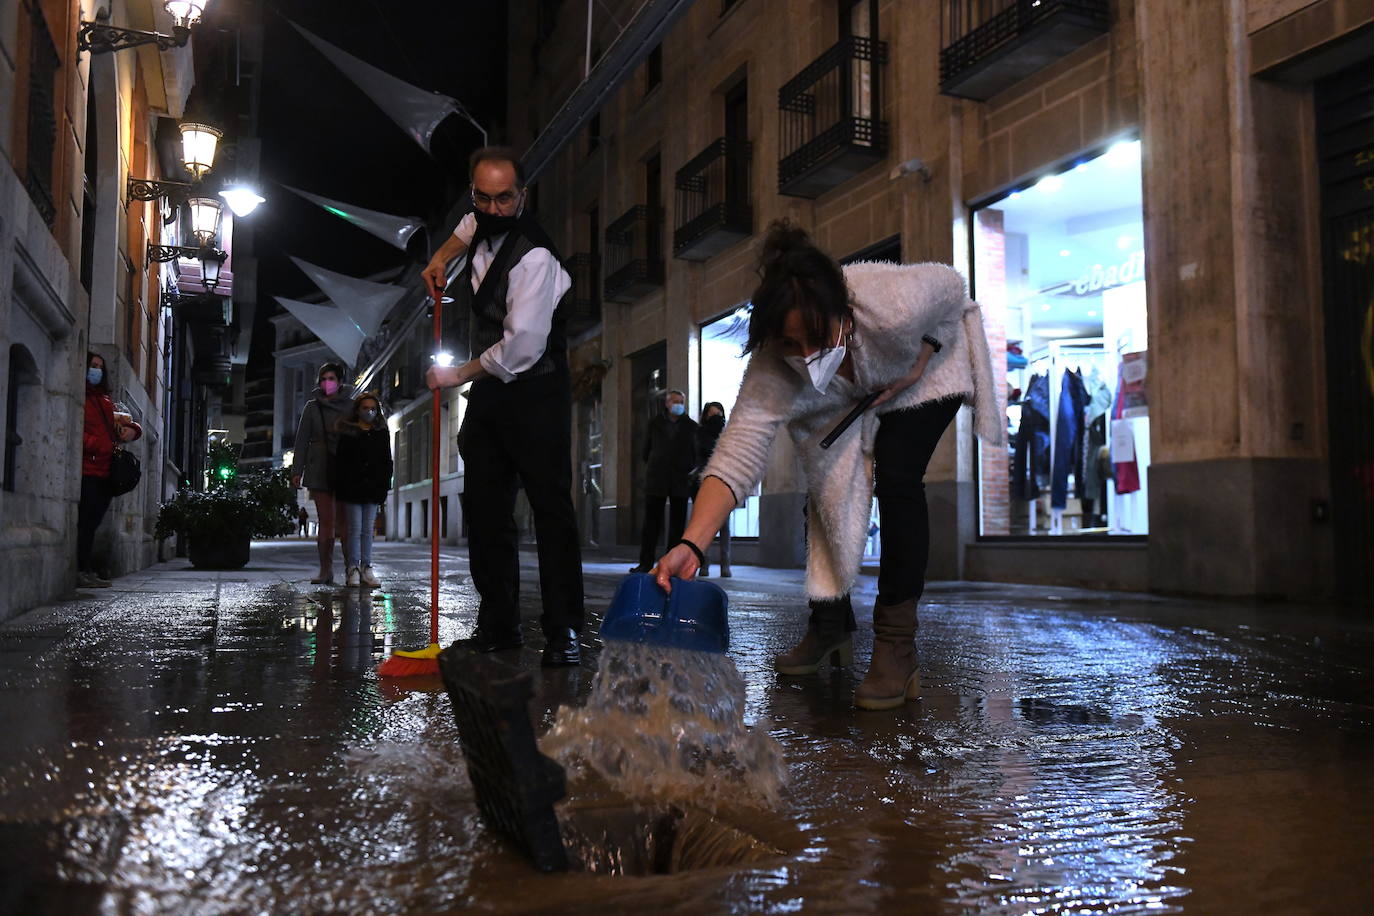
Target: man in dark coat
x=671, y=452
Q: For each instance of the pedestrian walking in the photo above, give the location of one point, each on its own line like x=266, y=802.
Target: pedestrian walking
x=362, y=480
x=102, y=430
x=822, y=339
x=518, y=423
x=670, y=450
x=317, y=442
x=304, y=519
x=708, y=433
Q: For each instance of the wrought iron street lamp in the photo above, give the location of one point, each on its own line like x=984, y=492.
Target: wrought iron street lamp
x=99, y=37
x=205, y=217
x=211, y=259
x=198, y=145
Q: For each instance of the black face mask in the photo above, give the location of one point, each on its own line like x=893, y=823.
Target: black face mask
x=493, y=223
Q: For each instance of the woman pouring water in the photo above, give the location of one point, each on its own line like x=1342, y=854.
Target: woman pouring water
x=821, y=339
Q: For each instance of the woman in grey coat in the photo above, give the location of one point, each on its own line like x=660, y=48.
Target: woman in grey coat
x=317, y=441
x=821, y=339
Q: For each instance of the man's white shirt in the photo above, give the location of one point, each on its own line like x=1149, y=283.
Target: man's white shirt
x=535, y=284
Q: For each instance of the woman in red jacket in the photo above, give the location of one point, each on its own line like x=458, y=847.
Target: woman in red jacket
x=100, y=433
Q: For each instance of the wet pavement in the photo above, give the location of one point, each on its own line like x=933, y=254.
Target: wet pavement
x=219, y=742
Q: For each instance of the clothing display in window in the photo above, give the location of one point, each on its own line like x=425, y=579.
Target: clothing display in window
x=1068, y=439
x=1124, y=468
x=1030, y=466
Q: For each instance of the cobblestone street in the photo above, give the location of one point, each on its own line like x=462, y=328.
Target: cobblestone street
x=219, y=742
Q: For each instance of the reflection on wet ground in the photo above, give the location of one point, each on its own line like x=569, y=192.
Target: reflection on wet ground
x=220, y=743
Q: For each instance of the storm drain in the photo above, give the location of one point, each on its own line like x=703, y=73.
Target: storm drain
x=626, y=840
x=516, y=788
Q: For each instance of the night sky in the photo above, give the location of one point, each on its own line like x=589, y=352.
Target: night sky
x=322, y=134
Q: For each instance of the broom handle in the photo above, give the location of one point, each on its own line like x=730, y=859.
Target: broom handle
x=434, y=487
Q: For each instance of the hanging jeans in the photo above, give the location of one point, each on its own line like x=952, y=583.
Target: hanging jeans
x=1068, y=439
x=358, y=543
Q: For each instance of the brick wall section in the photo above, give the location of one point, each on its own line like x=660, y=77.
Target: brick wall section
x=990, y=268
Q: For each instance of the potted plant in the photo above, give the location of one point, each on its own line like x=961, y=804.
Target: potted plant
x=220, y=522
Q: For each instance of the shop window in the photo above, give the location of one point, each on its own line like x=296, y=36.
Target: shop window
x=1059, y=270
x=722, y=365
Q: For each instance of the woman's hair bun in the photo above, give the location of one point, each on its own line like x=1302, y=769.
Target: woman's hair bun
x=785, y=243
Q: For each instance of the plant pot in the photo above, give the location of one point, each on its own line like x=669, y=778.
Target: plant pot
x=227, y=552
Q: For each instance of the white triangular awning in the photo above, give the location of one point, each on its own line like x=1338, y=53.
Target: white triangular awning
x=365, y=301
x=394, y=230
x=416, y=111
x=329, y=324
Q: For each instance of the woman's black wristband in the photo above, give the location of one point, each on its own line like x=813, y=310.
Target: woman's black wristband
x=934, y=344
x=701, y=557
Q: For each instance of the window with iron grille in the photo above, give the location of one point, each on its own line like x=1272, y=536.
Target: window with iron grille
x=830, y=124
x=989, y=45
x=42, y=115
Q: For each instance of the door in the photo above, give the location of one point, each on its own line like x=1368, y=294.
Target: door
x=649, y=374
x=1345, y=126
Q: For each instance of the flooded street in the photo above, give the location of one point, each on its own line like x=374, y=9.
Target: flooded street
x=219, y=742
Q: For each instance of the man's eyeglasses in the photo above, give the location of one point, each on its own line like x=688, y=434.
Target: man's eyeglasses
x=504, y=199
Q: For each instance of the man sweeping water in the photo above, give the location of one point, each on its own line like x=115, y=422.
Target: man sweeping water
x=518, y=425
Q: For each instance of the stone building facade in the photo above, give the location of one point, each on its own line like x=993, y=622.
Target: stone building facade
x=75, y=275
x=1169, y=180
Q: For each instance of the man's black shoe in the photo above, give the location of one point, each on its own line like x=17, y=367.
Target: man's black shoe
x=562, y=650
x=483, y=641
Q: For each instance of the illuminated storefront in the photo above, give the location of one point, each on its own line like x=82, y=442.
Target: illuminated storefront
x=1059, y=270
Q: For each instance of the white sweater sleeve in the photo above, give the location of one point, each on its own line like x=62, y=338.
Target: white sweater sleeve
x=765, y=401
x=533, y=288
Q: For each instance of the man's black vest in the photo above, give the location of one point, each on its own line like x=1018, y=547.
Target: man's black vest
x=487, y=305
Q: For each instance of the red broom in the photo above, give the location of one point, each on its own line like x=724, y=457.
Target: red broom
x=421, y=662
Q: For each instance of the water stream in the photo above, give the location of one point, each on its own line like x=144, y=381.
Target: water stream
x=667, y=725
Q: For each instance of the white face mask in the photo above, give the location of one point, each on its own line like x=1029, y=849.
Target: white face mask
x=821, y=367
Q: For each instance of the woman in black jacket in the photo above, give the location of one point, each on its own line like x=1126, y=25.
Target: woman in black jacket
x=362, y=480
x=708, y=431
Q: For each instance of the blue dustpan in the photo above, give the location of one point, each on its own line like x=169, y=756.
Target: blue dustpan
x=695, y=616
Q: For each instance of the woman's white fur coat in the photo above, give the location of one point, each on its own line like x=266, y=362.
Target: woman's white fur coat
x=894, y=305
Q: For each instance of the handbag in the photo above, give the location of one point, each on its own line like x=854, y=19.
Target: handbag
x=125, y=471
x=125, y=468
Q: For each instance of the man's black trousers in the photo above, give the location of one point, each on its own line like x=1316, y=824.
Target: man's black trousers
x=653, y=525
x=520, y=434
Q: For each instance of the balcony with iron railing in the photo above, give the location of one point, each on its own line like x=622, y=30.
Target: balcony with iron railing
x=829, y=118
x=584, y=301
x=990, y=45
x=713, y=200
x=634, y=254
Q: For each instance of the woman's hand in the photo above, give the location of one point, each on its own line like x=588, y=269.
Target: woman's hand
x=911, y=378
x=679, y=561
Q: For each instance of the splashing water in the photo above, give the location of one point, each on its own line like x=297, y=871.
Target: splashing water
x=668, y=724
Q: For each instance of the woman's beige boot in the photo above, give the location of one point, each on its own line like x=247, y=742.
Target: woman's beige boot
x=893, y=677
x=827, y=637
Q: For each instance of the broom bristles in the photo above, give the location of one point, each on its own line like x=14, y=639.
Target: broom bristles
x=418, y=663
